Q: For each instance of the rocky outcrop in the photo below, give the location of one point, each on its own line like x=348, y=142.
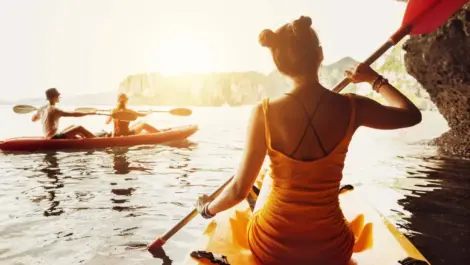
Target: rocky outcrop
x=244, y=88
x=213, y=89
x=441, y=63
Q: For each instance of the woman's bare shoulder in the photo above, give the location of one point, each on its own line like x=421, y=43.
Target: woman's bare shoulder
x=277, y=101
x=343, y=99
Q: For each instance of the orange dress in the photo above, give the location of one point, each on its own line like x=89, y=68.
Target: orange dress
x=301, y=221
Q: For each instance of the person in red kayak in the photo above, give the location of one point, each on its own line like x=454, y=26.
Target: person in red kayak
x=50, y=115
x=121, y=128
x=306, y=134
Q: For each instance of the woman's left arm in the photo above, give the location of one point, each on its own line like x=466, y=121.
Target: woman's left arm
x=253, y=157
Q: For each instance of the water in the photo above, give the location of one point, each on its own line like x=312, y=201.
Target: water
x=104, y=206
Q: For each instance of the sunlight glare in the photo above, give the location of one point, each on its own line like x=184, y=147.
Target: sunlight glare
x=181, y=54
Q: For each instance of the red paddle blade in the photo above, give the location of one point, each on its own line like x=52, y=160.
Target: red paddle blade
x=425, y=16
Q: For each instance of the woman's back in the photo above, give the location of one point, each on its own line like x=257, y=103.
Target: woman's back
x=307, y=125
x=302, y=210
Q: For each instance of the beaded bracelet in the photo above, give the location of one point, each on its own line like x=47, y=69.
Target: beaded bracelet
x=205, y=212
x=375, y=81
x=379, y=82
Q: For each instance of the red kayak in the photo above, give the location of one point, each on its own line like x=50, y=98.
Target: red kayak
x=39, y=143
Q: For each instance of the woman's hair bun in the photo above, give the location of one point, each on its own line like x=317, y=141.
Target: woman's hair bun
x=267, y=38
x=302, y=23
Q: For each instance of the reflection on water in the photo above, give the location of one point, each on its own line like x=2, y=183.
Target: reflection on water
x=439, y=223
x=122, y=166
x=53, y=185
x=104, y=206
x=428, y=201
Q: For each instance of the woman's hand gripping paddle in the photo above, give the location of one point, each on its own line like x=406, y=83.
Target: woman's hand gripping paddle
x=155, y=246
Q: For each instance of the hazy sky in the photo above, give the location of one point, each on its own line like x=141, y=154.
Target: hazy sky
x=83, y=46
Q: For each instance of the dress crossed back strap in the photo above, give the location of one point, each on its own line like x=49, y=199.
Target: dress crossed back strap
x=310, y=124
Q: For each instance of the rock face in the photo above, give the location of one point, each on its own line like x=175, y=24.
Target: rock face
x=215, y=89
x=441, y=63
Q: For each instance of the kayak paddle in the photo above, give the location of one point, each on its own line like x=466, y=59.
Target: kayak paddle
x=177, y=111
x=156, y=245
x=90, y=110
x=125, y=116
x=24, y=109
x=120, y=115
x=421, y=17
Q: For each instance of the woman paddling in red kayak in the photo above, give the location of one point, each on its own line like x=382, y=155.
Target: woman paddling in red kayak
x=306, y=134
x=50, y=115
x=121, y=128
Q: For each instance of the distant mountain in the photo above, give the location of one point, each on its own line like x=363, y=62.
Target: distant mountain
x=216, y=89
x=212, y=89
x=344, y=64
x=332, y=74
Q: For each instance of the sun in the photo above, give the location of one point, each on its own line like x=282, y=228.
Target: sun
x=183, y=53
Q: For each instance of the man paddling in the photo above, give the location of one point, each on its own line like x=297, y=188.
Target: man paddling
x=50, y=115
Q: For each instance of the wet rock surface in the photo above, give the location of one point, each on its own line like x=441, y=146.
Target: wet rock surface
x=441, y=63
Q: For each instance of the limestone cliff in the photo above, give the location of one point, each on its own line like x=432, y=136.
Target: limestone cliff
x=244, y=88
x=440, y=61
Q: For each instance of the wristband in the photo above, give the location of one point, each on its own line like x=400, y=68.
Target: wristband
x=205, y=212
x=378, y=82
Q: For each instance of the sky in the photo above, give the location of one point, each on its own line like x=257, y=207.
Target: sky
x=86, y=46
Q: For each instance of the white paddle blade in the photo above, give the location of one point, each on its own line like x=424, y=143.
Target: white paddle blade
x=23, y=109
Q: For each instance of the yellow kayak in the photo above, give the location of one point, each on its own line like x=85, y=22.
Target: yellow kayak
x=224, y=240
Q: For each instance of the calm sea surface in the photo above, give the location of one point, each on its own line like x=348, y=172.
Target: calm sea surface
x=104, y=206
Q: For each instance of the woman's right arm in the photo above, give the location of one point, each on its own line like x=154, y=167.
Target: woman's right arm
x=400, y=113
x=110, y=118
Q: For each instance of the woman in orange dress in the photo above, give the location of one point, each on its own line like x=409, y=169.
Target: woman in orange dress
x=306, y=134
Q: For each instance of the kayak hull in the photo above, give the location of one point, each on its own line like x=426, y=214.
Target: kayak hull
x=38, y=143
x=379, y=243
